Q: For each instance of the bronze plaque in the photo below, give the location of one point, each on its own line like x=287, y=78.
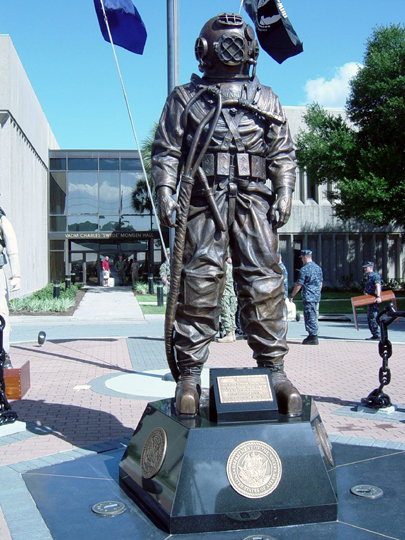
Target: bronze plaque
x=254, y=469
x=244, y=389
x=153, y=453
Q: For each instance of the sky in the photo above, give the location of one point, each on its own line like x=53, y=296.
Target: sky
x=73, y=72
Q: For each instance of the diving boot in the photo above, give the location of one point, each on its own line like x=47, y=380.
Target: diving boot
x=188, y=391
x=288, y=398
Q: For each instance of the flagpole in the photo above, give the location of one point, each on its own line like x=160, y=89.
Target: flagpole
x=132, y=125
x=172, y=63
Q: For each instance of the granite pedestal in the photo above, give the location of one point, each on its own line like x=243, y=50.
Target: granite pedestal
x=196, y=475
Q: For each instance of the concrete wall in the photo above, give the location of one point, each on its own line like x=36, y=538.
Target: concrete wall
x=25, y=138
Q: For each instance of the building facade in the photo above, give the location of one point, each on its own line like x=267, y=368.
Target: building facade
x=91, y=215
x=25, y=140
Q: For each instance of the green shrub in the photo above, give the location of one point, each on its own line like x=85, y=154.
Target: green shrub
x=141, y=287
x=43, y=300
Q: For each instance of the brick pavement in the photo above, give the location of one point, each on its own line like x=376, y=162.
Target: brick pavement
x=63, y=413
x=61, y=418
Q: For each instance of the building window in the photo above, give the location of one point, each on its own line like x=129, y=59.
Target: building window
x=57, y=164
x=130, y=164
x=57, y=192
x=84, y=223
x=109, y=164
x=312, y=190
x=57, y=224
x=83, y=193
x=128, y=184
x=109, y=193
x=82, y=164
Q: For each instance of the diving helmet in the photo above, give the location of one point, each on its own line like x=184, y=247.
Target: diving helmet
x=226, y=48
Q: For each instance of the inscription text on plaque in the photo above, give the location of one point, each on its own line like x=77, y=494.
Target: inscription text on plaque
x=244, y=389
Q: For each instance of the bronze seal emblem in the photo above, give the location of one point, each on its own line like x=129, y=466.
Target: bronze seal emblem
x=254, y=469
x=323, y=441
x=153, y=453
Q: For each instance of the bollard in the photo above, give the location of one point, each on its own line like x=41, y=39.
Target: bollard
x=73, y=277
x=56, y=288
x=151, y=287
x=160, y=294
x=67, y=282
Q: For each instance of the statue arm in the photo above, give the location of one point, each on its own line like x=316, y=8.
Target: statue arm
x=281, y=167
x=167, y=155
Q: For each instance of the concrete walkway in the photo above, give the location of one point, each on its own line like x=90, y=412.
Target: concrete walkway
x=93, y=377
x=108, y=304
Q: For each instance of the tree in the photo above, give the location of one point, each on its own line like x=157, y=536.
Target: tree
x=363, y=156
x=140, y=195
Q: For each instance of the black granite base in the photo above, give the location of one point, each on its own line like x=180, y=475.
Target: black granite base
x=192, y=491
x=64, y=494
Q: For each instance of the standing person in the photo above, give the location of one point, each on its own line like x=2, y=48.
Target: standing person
x=285, y=275
x=105, y=265
x=164, y=272
x=134, y=271
x=310, y=279
x=373, y=286
x=121, y=266
x=230, y=133
x=8, y=245
x=229, y=306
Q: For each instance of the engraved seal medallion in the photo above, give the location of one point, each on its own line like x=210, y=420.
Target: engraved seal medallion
x=153, y=453
x=254, y=469
x=324, y=441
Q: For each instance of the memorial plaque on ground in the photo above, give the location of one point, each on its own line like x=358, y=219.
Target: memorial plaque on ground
x=242, y=395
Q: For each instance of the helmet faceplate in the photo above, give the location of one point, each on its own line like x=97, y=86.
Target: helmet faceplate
x=226, y=47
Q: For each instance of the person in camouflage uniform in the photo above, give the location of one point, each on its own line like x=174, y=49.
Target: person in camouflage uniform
x=310, y=280
x=229, y=304
x=121, y=267
x=373, y=286
x=164, y=272
x=285, y=275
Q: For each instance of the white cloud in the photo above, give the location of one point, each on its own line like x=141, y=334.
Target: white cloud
x=332, y=93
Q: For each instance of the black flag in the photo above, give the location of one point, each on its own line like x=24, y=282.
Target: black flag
x=274, y=30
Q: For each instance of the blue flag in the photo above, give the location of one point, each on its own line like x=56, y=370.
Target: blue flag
x=273, y=28
x=126, y=26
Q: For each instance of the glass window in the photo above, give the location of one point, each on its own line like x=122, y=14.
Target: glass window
x=128, y=184
x=57, y=224
x=83, y=193
x=109, y=223
x=57, y=245
x=82, y=164
x=109, y=164
x=57, y=164
x=136, y=223
x=109, y=193
x=82, y=223
x=130, y=164
x=57, y=189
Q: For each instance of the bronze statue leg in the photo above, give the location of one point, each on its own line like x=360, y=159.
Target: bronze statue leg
x=198, y=311
x=261, y=294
